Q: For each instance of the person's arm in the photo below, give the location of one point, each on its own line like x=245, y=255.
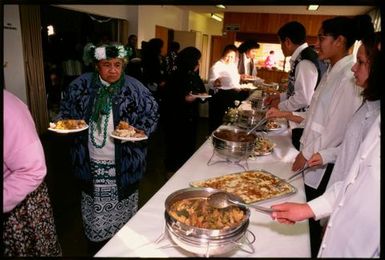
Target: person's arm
x=275, y=113
x=305, y=82
x=147, y=109
x=320, y=207
x=214, y=75
x=24, y=162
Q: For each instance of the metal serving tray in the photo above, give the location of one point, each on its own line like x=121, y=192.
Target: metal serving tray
x=238, y=179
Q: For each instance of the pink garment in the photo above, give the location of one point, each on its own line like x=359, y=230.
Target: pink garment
x=270, y=61
x=24, y=162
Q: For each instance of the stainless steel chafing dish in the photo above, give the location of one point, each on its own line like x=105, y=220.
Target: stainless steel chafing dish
x=201, y=241
x=233, y=143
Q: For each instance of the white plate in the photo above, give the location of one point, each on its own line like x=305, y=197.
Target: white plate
x=67, y=131
x=132, y=139
x=201, y=96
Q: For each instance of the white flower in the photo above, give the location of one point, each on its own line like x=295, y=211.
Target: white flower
x=122, y=51
x=100, y=53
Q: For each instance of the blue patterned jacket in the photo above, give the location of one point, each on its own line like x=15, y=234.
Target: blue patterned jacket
x=134, y=104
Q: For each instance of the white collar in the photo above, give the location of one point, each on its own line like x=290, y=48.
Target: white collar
x=105, y=83
x=298, y=51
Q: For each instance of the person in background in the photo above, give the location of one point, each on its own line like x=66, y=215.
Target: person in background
x=246, y=66
x=170, y=59
x=134, y=64
x=132, y=46
x=304, y=75
x=154, y=73
x=224, y=86
x=28, y=223
x=108, y=169
x=181, y=108
x=270, y=60
x=333, y=104
x=352, y=198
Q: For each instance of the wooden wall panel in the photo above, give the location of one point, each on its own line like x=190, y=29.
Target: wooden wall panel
x=270, y=23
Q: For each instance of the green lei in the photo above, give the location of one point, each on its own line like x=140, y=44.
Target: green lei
x=102, y=106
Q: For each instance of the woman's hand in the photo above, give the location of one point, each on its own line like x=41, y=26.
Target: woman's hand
x=299, y=162
x=189, y=98
x=315, y=160
x=289, y=213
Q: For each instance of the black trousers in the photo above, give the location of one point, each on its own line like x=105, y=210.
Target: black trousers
x=315, y=226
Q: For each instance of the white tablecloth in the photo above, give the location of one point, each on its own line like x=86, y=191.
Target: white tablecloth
x=136, y=238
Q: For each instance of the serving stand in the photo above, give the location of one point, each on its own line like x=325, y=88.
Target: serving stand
x=215, y=158
x=204, y=248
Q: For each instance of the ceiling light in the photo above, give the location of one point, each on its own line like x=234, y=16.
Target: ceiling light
x=216, y=17
x=312, y=7
x=221, y=6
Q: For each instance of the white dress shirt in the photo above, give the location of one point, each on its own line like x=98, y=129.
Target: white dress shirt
x=358, y=128
x=353, y=204
x=227, y=73
x=305, y=81
x=334, y=102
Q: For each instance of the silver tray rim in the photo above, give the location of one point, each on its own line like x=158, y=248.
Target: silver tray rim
x=294, y=189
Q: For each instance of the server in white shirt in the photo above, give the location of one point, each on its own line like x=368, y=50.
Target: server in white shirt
x=352, y=199
x=224, y=86
x=333, y=104
x=246, y=66
x=305, y=73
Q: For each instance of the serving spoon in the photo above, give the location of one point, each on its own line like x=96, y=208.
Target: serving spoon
x=221, y=200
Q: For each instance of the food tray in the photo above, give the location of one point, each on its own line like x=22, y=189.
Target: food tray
x=252, y=186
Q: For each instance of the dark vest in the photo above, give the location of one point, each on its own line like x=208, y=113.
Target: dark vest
x=306, y=54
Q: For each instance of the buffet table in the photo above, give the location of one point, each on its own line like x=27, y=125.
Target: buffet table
x=144, y=235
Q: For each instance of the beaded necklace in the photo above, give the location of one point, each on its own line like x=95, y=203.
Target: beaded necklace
x=101, y=107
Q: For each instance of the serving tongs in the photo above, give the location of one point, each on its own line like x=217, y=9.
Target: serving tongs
x=292, y=177
x=261, y=122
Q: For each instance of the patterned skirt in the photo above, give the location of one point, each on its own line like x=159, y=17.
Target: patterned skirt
x=103, y=215
x=29, y=229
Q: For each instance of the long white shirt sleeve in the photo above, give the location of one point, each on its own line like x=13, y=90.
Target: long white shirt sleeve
x=227, y=73
x=333, y=105
x=353, y=204
x=306, y=75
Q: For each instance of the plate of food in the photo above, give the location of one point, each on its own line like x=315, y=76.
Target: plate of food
x=126, y=132
x=201, y=95
x=263, y=146
x=251, y=186
x=272, y=125
x=66, y=126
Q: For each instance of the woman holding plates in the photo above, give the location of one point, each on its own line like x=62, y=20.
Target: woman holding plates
x=109, y=170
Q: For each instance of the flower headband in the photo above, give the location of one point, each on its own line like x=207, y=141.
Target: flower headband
x=104, y=52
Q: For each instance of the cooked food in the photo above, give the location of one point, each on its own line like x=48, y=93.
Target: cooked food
x=69, y=124
x=271, y=124
x=197, y=212
x=231, y=115
x=124, y=129
x=232, y=136
x=262, y=146
x=251, y=186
